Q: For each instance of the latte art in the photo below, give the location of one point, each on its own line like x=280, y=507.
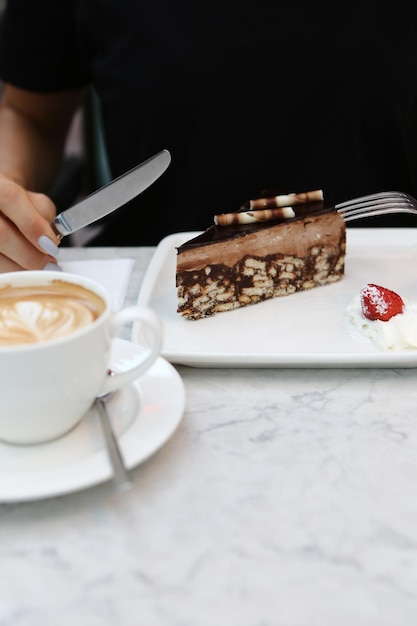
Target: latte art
x=41, y=313
x=31, y=321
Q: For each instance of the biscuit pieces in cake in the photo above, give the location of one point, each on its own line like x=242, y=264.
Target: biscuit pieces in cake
x=228, y=267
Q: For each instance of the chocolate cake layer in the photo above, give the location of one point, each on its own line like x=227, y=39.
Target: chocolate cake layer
x=225, y=268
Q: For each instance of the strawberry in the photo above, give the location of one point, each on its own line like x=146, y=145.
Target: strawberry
x=379, y=303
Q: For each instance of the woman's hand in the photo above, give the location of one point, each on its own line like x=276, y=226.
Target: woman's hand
x=33, y=130
x=27, y=241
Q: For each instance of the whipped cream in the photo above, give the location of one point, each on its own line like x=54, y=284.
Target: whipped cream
x=399, y=333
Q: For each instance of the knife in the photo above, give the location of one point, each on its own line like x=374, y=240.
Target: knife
x=112, y=196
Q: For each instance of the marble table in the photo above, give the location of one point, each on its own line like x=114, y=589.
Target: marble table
x=287, y=497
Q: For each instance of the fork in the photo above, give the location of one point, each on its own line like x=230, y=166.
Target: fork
x=377, y=204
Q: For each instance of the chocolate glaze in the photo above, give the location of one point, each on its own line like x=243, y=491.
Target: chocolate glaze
x=221, y=233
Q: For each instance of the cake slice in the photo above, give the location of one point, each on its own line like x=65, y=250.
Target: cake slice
x=232, y=266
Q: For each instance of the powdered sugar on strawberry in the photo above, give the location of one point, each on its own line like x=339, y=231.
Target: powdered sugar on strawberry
x=380, y=303
x=384, y=317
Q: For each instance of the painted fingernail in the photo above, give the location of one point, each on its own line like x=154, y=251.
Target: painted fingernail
x=52, y=267
x=48, y=245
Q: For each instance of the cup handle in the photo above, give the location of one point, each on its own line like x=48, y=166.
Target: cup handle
x=151, y=328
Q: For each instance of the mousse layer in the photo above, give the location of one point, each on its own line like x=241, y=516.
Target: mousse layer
x=227, y=245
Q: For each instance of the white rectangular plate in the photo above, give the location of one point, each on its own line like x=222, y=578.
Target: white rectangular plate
x=306, y=329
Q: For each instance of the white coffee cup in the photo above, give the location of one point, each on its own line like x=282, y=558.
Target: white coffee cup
x=48, y=383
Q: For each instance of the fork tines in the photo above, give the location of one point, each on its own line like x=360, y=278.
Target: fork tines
x=377, y=204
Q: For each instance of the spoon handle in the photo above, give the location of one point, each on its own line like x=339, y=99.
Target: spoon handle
x=121, y=476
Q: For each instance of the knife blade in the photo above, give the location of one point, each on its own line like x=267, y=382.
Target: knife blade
x=112, y=195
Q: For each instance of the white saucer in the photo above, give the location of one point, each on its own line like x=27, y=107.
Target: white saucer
x=144, y=414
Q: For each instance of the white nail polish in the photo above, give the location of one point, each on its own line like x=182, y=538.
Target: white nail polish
x=52, y=267
x=48, y=245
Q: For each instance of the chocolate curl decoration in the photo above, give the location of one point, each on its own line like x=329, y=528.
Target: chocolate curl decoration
x=250, y=217
x=284, y=200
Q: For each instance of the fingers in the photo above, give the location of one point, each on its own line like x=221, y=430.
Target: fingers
x=44, y=206
x=16, y=252
x=7, y=265
x=27, y=240
x=30, y=212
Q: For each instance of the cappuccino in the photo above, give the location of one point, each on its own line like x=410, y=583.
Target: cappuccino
x=38, y=313
x=57, y=334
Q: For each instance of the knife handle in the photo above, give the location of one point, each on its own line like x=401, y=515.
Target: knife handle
x=60, y=226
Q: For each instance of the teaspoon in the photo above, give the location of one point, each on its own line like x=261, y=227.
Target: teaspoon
x=121, y=475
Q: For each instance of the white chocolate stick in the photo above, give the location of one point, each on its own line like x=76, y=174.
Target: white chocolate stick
x=249, y=217
x=284, y=200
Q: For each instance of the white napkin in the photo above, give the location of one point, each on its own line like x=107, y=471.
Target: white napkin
x=113, y=274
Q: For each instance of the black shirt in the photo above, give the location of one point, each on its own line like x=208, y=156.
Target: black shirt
x=245, y=95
